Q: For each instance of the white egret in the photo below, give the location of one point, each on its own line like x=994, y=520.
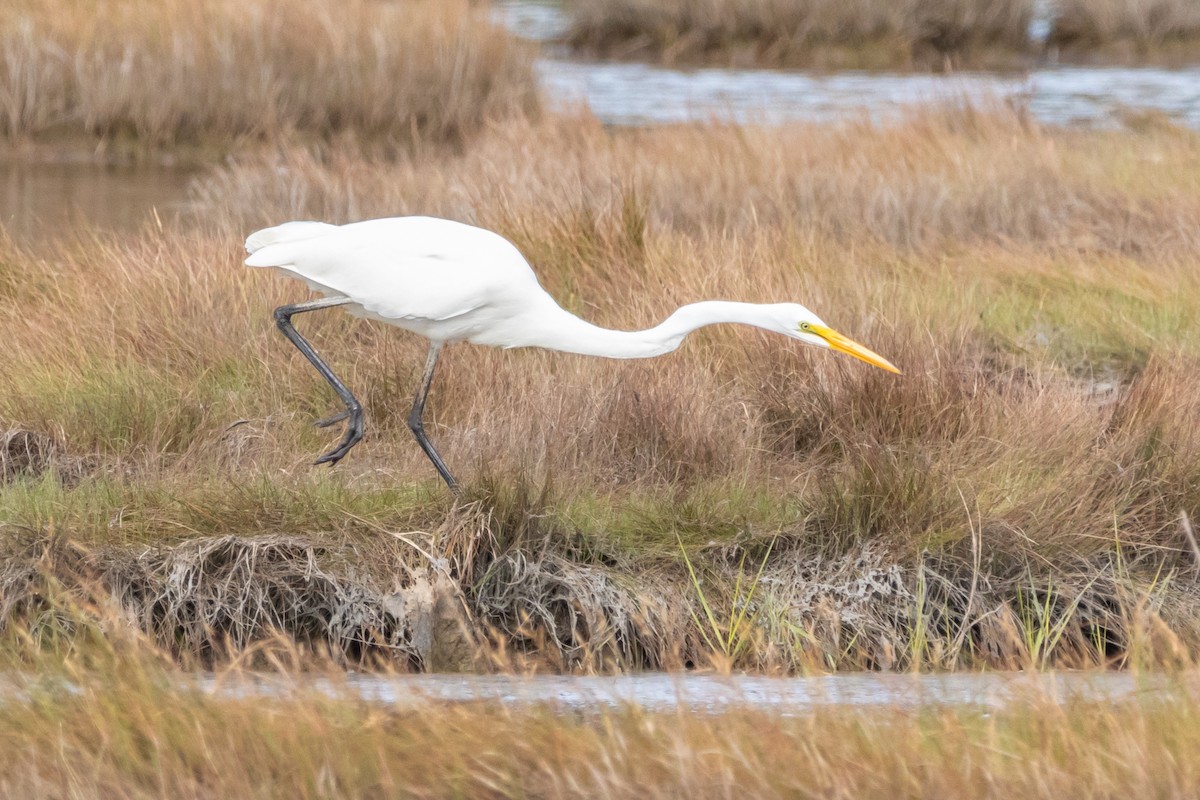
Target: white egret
x=452, y=282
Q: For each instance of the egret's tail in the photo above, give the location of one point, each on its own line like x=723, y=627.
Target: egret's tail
x=287, y=232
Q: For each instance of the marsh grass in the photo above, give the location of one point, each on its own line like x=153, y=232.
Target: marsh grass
x=806, y=33
x=574, y=196
x=120, y=721
x=1027, y=473
x=728, y=637
x=864, y=34
x=1164, y=28
x=134, y=73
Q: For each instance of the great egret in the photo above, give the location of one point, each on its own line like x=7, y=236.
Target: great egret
x=452, y=282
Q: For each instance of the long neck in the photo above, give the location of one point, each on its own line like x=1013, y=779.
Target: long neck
x=561, y=330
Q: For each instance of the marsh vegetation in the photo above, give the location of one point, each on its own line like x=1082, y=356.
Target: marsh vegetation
x=1017, y=497
x=138, y=74
x=866, y=34
x=808, y=33
x=1023, y=497
x=131, y=728
x=1128, y=30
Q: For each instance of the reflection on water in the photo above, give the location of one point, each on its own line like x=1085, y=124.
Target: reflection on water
x=535, y=20
x=41, y=202
x=664, y=692
x=639, y=94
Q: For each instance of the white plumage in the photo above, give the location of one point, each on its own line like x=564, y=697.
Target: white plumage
x=444, y=280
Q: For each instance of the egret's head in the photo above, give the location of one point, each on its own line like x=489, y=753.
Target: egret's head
x=798, y=322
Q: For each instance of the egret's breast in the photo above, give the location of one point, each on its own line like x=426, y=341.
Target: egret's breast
x=465, y=327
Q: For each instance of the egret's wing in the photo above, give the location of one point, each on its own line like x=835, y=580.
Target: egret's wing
x=287, y=232
x=409, y=268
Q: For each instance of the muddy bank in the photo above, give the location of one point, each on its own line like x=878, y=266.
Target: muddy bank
x=462, y=601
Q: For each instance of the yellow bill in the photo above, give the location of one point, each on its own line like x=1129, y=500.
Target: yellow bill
x=853, y=348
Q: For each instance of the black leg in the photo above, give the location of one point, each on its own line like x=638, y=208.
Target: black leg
x=353, y=412
x=417, y=425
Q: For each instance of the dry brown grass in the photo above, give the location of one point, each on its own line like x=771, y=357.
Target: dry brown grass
x=119, y=724
x=214, y=72
x=1141, y=26
x=828, y=33
x=1013, y=499
x=956, y=175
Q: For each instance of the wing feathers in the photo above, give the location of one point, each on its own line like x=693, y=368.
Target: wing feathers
x=287, y=232
x=402, y=269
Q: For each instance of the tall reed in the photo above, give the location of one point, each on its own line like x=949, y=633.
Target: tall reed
x=213, y=72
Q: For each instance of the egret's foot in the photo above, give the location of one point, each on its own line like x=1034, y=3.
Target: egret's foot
x=354, y=434
x=336, y=418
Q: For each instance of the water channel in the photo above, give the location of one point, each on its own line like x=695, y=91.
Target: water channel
x=40, y=201
x=629, y=93
x=707, y=693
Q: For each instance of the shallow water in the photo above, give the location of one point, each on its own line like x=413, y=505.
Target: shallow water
x=623, y=93
x=711, y=693
x=641, y=94
x=40, y=202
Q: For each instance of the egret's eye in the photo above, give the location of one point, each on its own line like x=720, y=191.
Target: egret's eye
x=804, y=326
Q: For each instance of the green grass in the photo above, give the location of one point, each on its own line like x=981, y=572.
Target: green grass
x=155, y=507
x=1111, y=320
